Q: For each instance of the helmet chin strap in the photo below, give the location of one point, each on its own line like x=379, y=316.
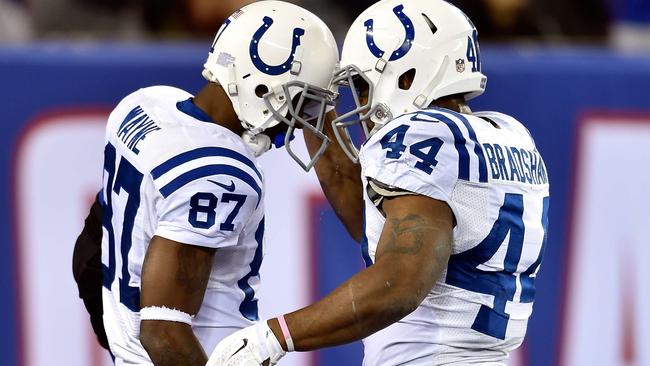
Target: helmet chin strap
x=259, y=143
x=382, y=113
x=423, y=100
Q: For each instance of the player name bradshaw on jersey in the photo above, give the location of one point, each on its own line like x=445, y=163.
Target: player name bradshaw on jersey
x=516, y=165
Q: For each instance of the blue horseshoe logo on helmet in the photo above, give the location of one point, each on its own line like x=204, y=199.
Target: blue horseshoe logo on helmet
x=408, y=41
x=255, y=55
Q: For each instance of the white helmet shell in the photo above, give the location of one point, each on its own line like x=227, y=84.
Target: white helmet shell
x=275, y=61
x=433, y=38
x=264, y=46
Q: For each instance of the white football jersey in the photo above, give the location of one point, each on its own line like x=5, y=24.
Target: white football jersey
x=169, y=171
x=486, y=167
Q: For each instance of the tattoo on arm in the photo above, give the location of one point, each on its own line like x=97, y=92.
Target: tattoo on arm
x=406, y=234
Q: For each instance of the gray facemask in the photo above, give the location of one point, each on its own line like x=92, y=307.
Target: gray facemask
x=306, y=110
x=360, y=114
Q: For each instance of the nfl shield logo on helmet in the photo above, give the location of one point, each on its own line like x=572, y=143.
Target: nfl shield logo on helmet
x=460, y=65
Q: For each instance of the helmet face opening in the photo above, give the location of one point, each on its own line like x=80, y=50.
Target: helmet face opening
x=306, y=110
x=356, y=120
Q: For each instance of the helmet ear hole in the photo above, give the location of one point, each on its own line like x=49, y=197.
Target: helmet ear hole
x=261, y=90
x=406, y=79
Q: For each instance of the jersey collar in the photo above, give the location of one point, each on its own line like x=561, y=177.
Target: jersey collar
x=188, y=107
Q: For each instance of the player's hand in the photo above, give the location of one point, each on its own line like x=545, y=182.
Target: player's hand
x=252, y=346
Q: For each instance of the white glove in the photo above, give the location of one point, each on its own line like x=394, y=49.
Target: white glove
x=251, y=346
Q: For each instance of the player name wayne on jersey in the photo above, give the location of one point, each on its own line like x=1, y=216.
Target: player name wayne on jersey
x=135, y=128
x=515, y=164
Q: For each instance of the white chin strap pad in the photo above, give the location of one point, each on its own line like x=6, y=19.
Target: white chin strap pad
x=259, y=143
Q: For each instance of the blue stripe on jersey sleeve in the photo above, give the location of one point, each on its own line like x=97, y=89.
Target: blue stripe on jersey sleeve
x=209, y=170
x=202, y=152
x=482, y=165
x=459, y=141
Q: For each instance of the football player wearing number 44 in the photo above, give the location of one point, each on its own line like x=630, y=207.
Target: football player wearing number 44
x=183, y=195
x=450, y=206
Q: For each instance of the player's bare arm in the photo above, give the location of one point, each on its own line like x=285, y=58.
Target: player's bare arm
x=174, y=276
x=340, y=180
x=87, y=269
x=414, y=249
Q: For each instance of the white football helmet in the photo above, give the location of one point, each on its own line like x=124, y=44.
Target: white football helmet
x=275, y=60
x=430, y=41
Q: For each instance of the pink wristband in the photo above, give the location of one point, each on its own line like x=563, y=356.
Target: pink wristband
x=286, y=333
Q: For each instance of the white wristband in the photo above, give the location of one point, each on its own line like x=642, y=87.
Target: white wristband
x=166, y=314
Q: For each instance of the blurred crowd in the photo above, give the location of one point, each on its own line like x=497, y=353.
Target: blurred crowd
x=623, y=23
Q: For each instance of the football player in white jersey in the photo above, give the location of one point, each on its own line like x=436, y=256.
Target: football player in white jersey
x=454, y=205
x=183, y=195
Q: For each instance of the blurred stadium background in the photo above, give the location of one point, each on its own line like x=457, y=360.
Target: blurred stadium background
x=576, y=72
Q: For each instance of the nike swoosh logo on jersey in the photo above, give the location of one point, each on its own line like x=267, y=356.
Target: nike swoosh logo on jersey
x=241, y=348
x=229, y=188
